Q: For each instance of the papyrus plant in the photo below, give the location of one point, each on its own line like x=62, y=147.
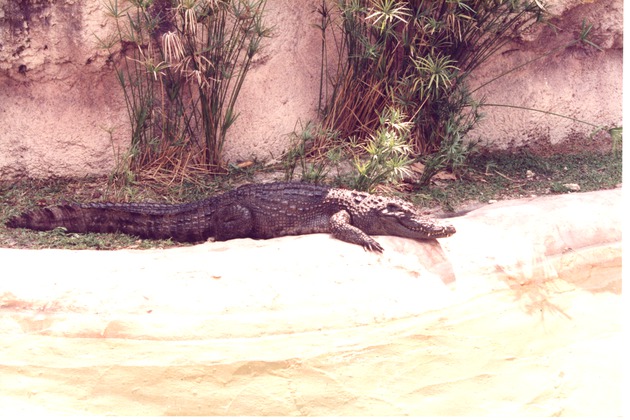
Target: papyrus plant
x=416, y=56
x=181, y=64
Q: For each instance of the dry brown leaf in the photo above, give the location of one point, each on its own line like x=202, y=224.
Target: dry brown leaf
x=417, y=167
x=445, y=176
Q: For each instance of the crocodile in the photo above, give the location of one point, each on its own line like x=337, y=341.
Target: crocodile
x=258, y=211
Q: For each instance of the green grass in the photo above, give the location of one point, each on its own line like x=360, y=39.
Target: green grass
x=488, y=176
x=504, y=175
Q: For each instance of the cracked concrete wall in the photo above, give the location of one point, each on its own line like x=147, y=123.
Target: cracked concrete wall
x=62, y=112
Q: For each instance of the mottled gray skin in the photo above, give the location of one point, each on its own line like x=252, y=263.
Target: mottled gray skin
x=259, y=211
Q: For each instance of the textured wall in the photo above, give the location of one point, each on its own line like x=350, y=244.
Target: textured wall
x=577, y=82
x=61, y=109
x=59, y=99
x=282, y=90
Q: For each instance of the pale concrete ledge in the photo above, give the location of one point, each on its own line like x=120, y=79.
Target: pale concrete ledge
x=519, y=313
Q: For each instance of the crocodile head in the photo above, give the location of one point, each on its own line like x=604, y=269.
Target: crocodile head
x=396, y=217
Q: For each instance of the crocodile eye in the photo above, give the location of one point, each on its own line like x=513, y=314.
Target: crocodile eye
x=393, y=208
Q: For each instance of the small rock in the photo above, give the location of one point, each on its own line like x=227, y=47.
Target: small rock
x=571, y=187
x=529, y=174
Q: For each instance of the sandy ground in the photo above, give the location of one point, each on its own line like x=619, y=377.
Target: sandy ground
x=519, y=313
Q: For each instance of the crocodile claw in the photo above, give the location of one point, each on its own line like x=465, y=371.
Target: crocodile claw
x=373, y=246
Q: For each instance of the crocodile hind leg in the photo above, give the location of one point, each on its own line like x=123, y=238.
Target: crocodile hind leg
x=341, y=228
x=232, y=221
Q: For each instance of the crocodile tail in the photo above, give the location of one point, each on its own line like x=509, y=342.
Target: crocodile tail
x=66, y=215
x=151, y=221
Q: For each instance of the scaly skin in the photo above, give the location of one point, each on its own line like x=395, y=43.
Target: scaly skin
x=259, y=211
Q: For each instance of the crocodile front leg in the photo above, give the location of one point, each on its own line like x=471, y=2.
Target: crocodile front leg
x=341, y=228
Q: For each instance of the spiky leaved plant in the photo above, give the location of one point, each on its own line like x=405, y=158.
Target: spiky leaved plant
x=388, y=152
